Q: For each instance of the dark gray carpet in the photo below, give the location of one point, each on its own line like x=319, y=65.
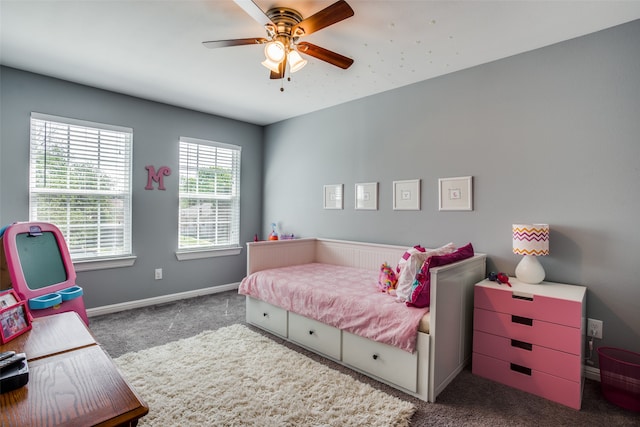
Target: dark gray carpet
x=468, y=401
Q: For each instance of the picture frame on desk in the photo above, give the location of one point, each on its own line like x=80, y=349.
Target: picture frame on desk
x=14, y=317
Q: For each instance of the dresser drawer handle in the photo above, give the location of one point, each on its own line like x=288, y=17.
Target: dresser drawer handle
x=521, y=344
x=521, y=369
x=522, y=297
x=522, y=320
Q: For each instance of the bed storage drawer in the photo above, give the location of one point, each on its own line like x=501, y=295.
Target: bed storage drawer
x=267, y=316
x=381, y=360
x=317, y=336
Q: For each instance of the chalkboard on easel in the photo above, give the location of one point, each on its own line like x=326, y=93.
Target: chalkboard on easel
x=41, y=260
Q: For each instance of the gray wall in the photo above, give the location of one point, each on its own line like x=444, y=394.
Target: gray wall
x=157, y=129
x=549, y=136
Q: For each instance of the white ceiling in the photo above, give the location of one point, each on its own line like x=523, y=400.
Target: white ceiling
x=152, y=48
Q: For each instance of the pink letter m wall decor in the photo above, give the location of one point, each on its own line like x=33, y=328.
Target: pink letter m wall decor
x=157, y=177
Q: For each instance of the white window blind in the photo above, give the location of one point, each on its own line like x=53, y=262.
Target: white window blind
x=80, y=180
x=209, y=216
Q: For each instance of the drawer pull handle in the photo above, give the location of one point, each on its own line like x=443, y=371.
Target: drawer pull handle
x=522, y=320
x=522, y=297
x=521, y=369
x=375, y=357
x=521, y=344
x=311, y=332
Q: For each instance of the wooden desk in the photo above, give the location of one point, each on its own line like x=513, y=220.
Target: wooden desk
x=72, y=381
x=52, y=335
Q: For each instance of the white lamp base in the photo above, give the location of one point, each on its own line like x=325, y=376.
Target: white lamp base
x=529, y=270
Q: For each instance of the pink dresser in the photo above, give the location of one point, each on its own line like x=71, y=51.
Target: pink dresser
x=531, y=337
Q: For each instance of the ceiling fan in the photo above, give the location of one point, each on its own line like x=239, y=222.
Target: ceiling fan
x=284, y=28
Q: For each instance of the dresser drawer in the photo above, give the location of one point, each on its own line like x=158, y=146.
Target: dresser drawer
x=558, y=363
x=533, y=331
x=520, y=302
x=381, y=360
x=317, y=336
x=267, y=316
x=554, y=388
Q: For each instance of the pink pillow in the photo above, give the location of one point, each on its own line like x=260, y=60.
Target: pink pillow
x=421, y=289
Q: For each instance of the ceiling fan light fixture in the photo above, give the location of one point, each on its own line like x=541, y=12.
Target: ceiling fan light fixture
x=296, y=62
x=273, y=66
x=284, y=28
x=274, y=51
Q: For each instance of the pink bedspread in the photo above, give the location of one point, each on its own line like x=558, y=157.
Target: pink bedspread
x=344, y=297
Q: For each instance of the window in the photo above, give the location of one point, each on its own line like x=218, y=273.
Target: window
x=80, y=180
x=209, y=216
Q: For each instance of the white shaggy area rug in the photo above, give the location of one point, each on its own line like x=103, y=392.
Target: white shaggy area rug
x=234, y=376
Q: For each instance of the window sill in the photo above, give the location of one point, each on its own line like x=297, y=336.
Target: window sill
x=207, y=253
x=101, y=264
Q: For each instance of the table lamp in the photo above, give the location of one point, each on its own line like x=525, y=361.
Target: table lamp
x=532, y=241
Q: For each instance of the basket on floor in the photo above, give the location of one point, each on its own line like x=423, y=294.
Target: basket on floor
x=620, y=377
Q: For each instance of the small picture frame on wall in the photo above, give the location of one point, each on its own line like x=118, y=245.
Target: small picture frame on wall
x=406, y=195
x=455, y=194
x=367, y=196
x=333, y=196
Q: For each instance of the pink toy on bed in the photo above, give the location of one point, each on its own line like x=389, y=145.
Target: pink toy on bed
x=387, y=279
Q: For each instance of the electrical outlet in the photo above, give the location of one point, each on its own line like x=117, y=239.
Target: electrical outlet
x=594, y=328
x=158, y=273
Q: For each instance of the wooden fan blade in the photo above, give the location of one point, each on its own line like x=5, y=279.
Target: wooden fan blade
x=325, y=55
x=234, y=42
x=330, y=15
x=282, y=67
x=254, y=11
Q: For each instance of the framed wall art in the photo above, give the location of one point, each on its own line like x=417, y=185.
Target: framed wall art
x=455, y=194
x=333, y=196
x=406, y=195
x=367, y=196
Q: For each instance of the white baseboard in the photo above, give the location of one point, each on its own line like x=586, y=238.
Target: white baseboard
x=114, y=308
x=592, y=373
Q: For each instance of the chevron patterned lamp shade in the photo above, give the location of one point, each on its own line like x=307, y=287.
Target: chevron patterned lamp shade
x=531, y=241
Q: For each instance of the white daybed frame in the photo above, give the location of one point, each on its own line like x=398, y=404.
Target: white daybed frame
x=439, y=355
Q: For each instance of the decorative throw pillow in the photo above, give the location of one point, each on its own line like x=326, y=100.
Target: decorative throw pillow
x=420, y=294
x=387, y=279
x=405, y=257
x=411, y=266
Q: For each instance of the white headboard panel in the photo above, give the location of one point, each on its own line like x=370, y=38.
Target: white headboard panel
x=281, y=253
x=368, y=256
